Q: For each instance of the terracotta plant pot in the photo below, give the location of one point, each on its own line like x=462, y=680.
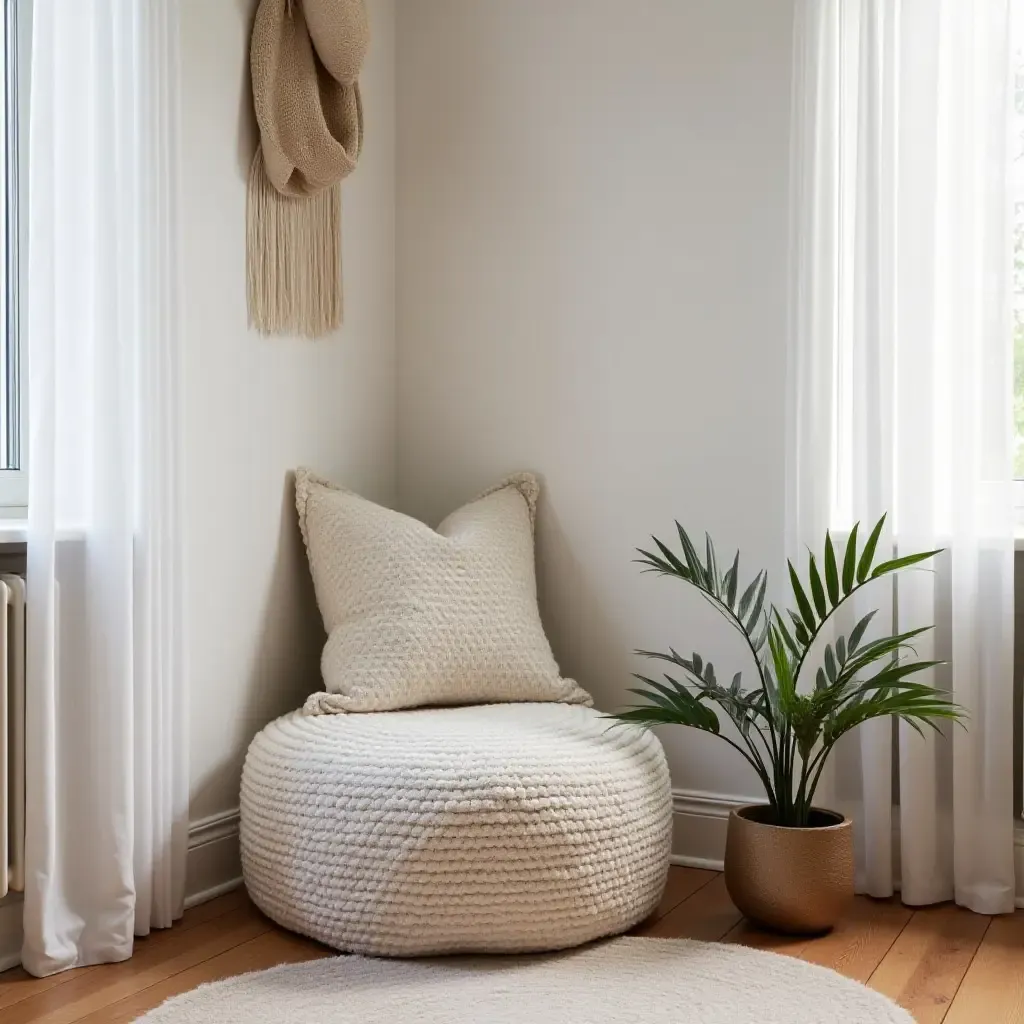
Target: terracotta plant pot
x=795, y=880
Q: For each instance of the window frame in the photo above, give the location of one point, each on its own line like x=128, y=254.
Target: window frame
x=16, y=43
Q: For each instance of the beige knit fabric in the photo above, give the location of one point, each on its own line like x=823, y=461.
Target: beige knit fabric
x=417, y=616
x=305, y=57
x=503, y=828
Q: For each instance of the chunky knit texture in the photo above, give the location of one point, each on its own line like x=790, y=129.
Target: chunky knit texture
x=422, y=617
x=503, y=828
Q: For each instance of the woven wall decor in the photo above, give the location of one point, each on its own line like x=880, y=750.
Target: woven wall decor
x=305, y=59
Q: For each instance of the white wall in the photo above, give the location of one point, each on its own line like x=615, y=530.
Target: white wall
x=591, y=263
x=256, y=407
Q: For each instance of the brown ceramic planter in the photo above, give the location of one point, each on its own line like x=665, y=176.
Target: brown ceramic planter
x=796, y=880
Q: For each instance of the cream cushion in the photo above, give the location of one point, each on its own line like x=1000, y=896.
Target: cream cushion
x=416, y=616
x=503, y=828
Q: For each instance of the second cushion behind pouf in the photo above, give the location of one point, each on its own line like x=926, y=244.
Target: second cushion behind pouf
x=417, y=616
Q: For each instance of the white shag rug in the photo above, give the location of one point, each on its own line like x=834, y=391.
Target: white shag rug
x=624, y=981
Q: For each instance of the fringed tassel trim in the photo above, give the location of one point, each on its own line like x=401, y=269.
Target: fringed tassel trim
x=293, y=258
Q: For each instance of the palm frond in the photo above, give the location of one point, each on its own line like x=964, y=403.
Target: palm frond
x=784, y=730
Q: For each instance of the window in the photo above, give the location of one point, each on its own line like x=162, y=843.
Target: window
x=13, y=160
x=1018, y=257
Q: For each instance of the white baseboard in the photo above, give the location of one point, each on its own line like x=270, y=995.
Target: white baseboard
x=214, y=864
x=700, y=820
x=213, y=869
x=698, y=829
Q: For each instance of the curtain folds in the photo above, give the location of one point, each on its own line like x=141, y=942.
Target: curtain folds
x=107, y=773
x=900, y=386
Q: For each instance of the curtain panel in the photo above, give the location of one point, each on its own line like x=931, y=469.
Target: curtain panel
x=107, y=756
x=900, y=401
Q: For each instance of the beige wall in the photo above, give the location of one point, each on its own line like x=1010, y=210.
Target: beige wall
x=257, y=407
x=592, y=246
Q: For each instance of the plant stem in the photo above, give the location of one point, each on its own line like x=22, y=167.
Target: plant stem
x=760, y=769
x=820, y=760
x=802, y=806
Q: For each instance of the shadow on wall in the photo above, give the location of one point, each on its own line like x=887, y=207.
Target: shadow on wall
x=585, y=642
x=248, y=130
x=285, y=668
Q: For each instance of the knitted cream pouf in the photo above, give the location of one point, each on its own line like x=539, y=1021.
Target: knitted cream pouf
x=495, y=828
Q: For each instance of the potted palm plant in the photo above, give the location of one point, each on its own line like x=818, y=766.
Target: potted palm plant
x=788, y=863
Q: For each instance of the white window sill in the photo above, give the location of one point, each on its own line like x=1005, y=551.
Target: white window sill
x=15, y=531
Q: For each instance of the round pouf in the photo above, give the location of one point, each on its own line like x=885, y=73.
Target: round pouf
x=500, y=828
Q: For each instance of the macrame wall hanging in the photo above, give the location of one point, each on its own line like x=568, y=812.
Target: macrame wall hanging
x=305, y=59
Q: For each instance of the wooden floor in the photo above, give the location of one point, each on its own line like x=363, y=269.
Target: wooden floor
x=941, y=963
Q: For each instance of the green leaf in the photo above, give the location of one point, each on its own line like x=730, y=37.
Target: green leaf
x=831, y=571
x=693, y=561
x=850, y=560
x=673, y=657
x=802, y=636
x=755, y=612
x=864, y=565
x=879, y=649
x=757, y=640
x=748, y=595
x=646, y=717
x=730, y=582
x=672, y=560
x=841, y=649
x=799, y=629
x=656, y=564
x=820, y=682
x=817, y=590
x=922, y=705
x=698, y=665
x=902, y=563
x=675, y=705
x=858, y=630
x=830, y=664
x=668, y=693
x=714, y=583
x=786, y=635
x=783, y=669
x=894, y=678
x=801, y=599
x=736, y=681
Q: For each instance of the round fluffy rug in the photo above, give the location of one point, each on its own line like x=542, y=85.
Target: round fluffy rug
x=640, y=981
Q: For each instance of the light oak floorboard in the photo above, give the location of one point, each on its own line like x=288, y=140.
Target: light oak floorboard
x=682, y=884
x=992, y=991
x=268, y=950
x=707, y=915
x=856, y=946
x=941, y=963
x=18, y=984
x=926, y=964
x=156, y=958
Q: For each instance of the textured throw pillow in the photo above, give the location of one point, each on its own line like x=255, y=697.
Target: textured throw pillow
x=416, y=616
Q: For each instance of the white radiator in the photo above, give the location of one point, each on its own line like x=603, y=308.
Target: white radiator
x=12, y=734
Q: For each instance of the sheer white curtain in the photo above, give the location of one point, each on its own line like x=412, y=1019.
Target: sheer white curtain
x=901, y=400
x=107, y=770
